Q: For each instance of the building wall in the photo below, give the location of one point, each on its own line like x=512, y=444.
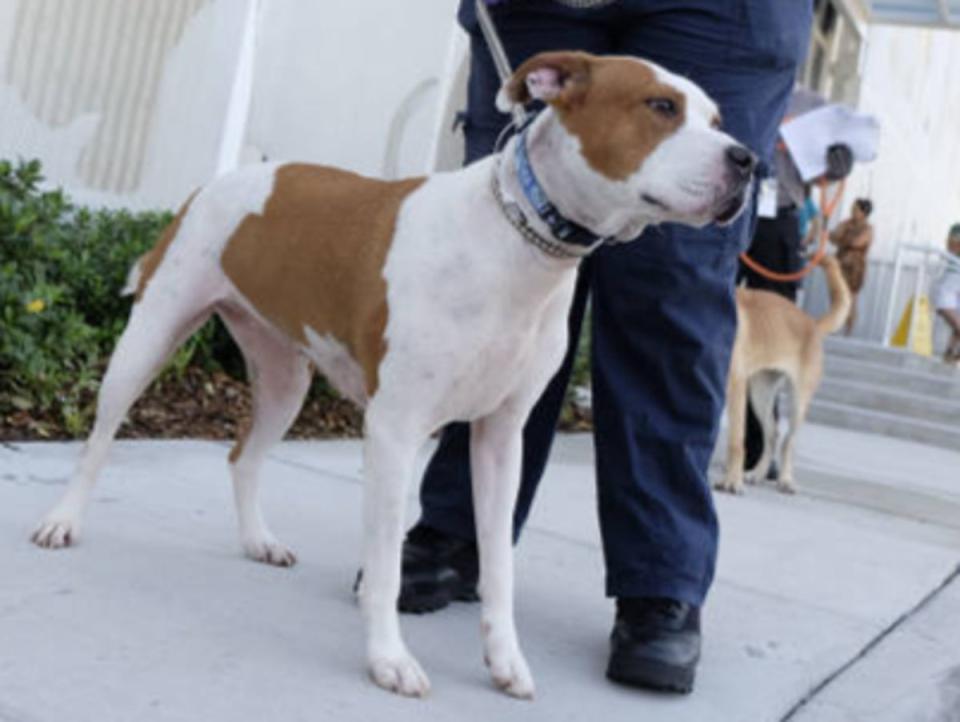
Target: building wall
x=910, y=83
x=124, y=102
x=128, y=103
x=353, y=83
x=68, y=59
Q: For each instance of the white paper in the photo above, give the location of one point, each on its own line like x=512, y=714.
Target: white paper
x=808, y=136
x=767, y=203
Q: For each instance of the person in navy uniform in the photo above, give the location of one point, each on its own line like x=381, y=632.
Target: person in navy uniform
x=662, y=325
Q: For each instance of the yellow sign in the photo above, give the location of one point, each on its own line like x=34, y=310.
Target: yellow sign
x=922, y=342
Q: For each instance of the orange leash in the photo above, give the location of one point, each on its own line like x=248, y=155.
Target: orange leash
x=827, y=208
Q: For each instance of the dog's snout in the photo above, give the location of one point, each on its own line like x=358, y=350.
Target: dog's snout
x=741, y=160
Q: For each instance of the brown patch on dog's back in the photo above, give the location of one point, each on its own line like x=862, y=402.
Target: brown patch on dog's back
x=150, y=261
x=314, y=257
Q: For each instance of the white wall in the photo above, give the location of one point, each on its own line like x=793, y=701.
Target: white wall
x=911, y=82
x=192, y=101
x=107, y=93
x=355, y=83
x=336, y=80
x=126, y=103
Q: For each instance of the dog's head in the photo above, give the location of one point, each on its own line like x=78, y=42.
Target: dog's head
x=647, y=140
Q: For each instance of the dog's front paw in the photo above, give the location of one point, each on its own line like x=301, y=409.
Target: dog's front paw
x=509, y=669
x=269, y=551
x=729, y=486
x=511, y=673
x=401, y=674
x=56, y=533
x=752, y=478
x=786, y=486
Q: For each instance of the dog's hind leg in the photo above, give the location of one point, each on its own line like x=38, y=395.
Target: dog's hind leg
x=158, y=324
x=801, y=393
x=763, y=389
x=495, y=457
x=280, y=377
x=389, y=453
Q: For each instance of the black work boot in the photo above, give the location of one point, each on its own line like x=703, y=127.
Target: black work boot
x=437, y=569
x=655, y=644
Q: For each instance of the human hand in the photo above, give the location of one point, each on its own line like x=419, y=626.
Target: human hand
x=839, y=162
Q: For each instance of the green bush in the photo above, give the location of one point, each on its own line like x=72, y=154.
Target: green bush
x=61, y=271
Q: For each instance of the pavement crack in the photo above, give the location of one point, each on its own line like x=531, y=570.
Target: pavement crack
x=870, y=646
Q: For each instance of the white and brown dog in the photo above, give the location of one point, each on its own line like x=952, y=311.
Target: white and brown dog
x=426, y=300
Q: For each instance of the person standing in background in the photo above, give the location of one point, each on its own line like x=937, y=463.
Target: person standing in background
x=852, y=239
x=778, y=240
x=947, y=298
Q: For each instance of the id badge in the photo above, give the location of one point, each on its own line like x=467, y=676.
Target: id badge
x=767, y=203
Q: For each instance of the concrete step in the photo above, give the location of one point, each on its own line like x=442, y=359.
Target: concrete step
x=897, y=357
x=890, y=399
x=844, y=368
x=885, y=423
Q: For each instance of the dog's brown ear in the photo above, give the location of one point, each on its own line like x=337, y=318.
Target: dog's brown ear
x=559, y=78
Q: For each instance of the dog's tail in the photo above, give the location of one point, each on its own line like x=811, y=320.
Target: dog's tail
x=840, y=301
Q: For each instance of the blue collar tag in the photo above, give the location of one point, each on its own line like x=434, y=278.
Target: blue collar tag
x=562, y=229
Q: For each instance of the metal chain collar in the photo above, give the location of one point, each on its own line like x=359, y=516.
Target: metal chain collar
x=518, y=220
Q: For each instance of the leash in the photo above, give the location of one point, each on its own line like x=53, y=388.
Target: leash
x=499, y=55
x=500, y=60
x=827, y=207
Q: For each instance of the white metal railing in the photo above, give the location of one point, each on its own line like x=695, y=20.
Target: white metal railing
x=927, y=257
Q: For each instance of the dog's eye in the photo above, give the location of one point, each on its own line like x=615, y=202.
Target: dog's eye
x=663, y=106
x=716, y=123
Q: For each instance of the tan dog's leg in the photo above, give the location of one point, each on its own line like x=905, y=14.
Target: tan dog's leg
x=736, y=427
x=280, y=377
x=495, y=457
x=802, y=393
x=156, y=328
x=763, y=389
x=389, y=455
x=851, y=316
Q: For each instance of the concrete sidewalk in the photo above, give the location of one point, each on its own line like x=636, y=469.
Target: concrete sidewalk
x=157, y=616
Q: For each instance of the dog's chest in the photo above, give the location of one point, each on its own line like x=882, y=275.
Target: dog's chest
x=469, y=376
x=470, y=319
x=494, y=368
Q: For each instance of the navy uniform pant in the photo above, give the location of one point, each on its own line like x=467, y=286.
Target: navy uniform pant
x=662, y=308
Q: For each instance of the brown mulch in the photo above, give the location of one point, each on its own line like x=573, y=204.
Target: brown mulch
x=205, y=405
x=198, y=405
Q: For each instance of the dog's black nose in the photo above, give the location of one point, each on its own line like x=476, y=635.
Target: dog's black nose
x=741, y=160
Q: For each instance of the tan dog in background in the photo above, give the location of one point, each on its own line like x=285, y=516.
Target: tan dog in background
x=777, y=346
